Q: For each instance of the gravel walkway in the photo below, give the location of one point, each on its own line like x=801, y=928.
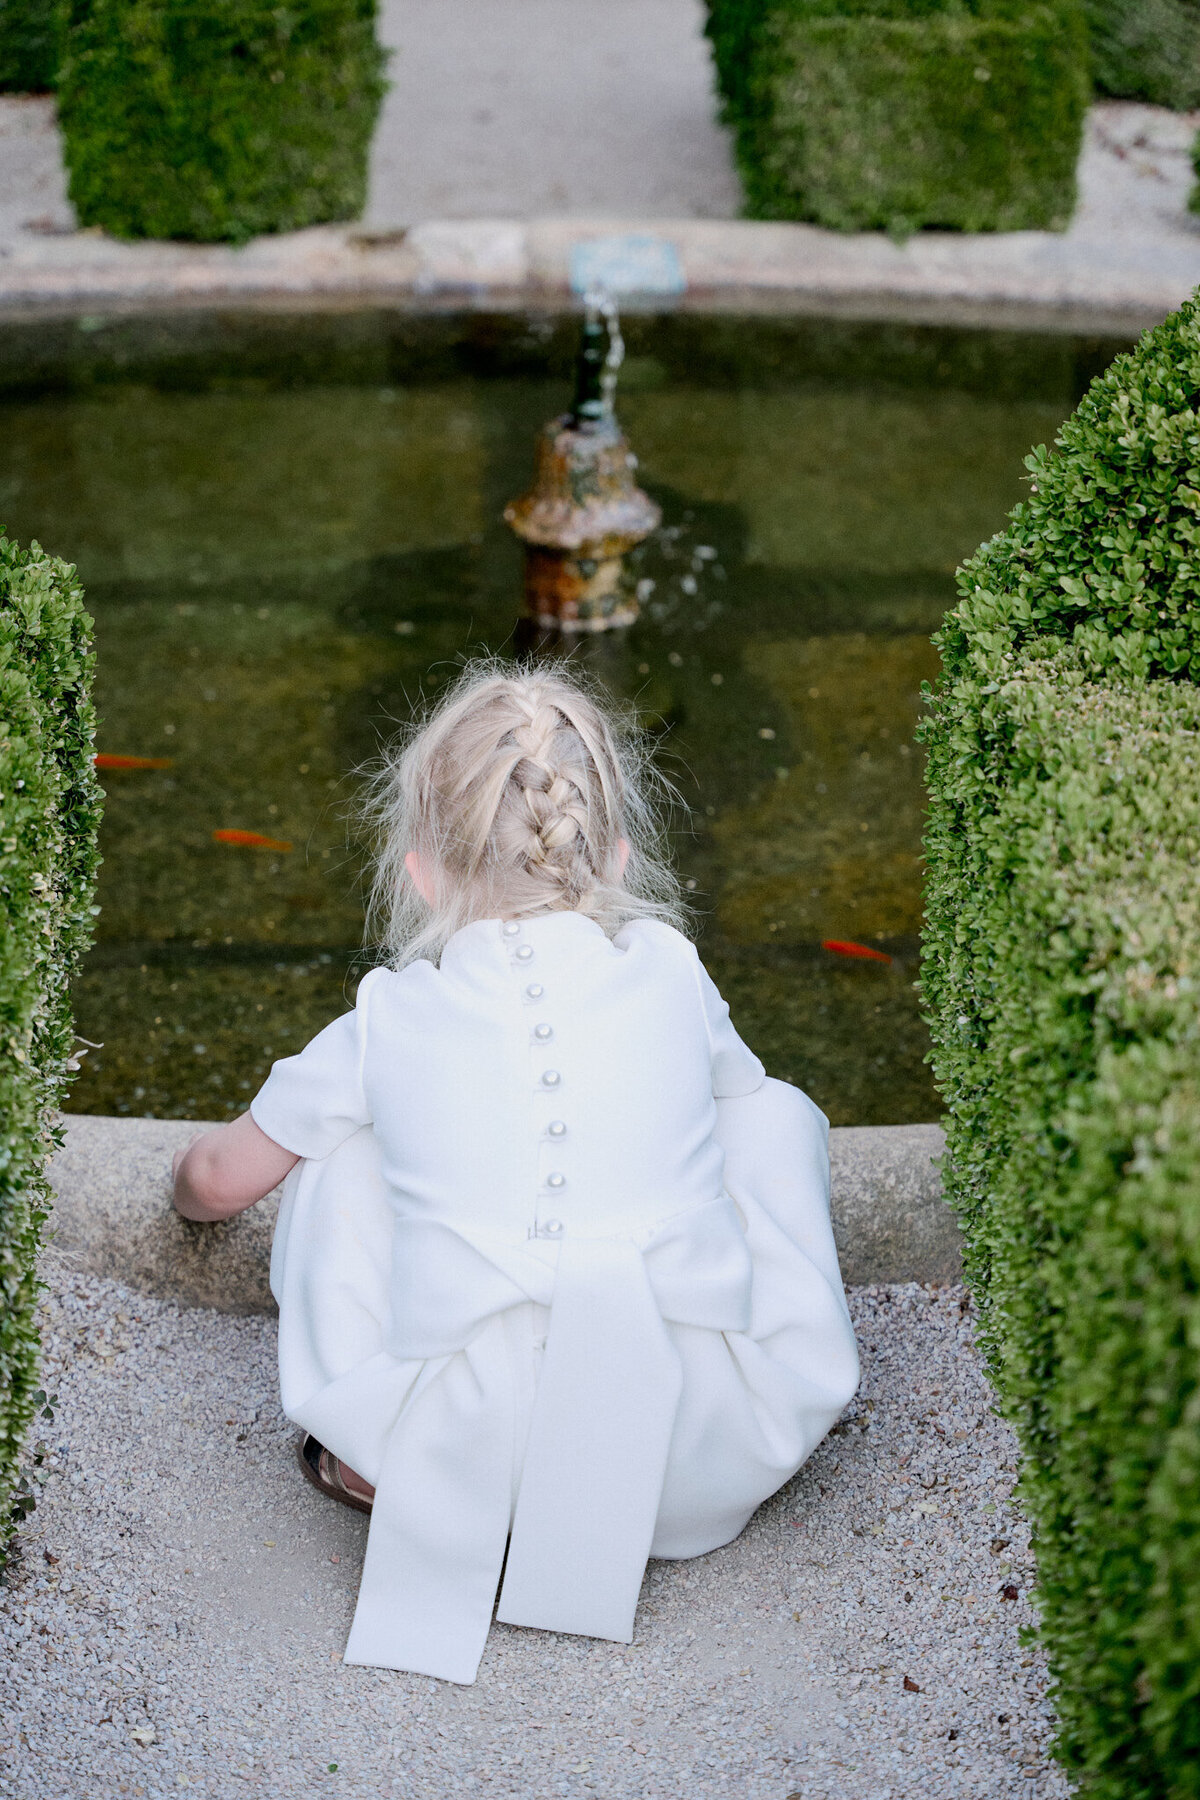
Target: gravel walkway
x=176, y=1619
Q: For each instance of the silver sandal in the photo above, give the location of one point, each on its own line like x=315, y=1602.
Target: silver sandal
x=322, y=1468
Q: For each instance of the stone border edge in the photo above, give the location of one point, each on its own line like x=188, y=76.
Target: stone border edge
x=112, y=1214
x=1035, y=283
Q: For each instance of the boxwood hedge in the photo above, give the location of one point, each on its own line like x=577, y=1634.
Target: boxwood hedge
x=1147, y=50
x=1062, y=983
x=30, y=34
x=857, y=114
x=218, y=119
x=49, y=812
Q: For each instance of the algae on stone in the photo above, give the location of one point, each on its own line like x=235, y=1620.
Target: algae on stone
x=139, y=485
x=866, y=480
x=831, y=849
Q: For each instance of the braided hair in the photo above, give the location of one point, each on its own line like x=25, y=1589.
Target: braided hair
x=517, y=792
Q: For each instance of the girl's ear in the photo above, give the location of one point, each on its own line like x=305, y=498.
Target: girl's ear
x=419, y=877
x=622, y=853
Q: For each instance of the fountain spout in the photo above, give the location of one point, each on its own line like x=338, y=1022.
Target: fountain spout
x=584, y=510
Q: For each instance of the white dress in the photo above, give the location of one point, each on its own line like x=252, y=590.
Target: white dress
x=555, y=1272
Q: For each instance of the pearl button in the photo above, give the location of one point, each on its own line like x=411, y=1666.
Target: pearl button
x=535, y=990
x=556, y=1128
x=556, y=1180
x=543, y=1032
x=510, y=928
x=524, y=953
x=553, y=1226
x=551, y=1078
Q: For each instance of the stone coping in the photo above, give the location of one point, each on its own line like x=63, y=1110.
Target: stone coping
x=483, y=227
x=1023, y=280
x=113, y=1214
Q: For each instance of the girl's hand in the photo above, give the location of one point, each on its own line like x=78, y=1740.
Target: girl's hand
x=222, y=1172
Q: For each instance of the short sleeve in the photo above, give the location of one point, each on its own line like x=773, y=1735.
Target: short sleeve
x=311, y=1102
x=735, y=1068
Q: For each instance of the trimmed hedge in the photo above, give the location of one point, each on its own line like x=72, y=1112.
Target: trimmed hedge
x=49, y=813
x=1147, y=50
x=858, y=114
x=1061, y=977
x=30, y=45
x=218, y=119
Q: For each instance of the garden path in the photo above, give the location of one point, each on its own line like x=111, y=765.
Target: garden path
x=527, y=108
x=177, y=1618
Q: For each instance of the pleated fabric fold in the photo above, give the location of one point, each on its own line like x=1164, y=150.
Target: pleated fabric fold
x=691, y=1364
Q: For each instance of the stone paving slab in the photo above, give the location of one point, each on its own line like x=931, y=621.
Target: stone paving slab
x=531, y=108
x=1132, y=252
x=177, y=1618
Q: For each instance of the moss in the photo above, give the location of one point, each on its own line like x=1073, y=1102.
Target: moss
x=849, y=478
x=208, y=488
x=851, y=1035
x=830, y=849
x=190, y=1037
x=218, y=119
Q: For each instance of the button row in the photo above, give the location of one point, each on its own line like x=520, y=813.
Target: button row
x=543, y=1032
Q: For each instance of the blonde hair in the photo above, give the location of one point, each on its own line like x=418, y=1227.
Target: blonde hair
x=515, y=791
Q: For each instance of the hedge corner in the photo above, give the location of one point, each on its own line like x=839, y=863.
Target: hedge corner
x=218, y=120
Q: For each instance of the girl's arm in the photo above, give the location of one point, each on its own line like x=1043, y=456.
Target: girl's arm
x=227, y=1170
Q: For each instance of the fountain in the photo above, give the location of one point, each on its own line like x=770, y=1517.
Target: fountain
x=584, y=510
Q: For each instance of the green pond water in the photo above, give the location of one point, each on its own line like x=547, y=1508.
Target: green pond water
x=289, y=529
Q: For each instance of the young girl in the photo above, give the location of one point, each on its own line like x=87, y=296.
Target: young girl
x=553, y=1263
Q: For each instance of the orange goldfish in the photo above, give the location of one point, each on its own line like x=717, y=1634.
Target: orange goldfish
x=843, y=947
x=250, y=840
x=104, y=761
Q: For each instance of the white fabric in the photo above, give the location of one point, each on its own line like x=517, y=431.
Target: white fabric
x=682, y=1279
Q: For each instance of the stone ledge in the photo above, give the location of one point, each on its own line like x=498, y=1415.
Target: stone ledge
x=113, y=1214
x=1022, y=280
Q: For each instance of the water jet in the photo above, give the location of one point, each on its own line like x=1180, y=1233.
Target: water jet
x=585, y=509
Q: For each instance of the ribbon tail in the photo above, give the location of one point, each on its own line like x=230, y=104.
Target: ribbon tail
x=597, y=1451
x=439, y=1521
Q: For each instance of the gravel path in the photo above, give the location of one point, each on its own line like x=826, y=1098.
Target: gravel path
x=176, y=1618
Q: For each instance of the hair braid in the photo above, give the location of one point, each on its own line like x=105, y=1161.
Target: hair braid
x=516, y=792
x=555, y=805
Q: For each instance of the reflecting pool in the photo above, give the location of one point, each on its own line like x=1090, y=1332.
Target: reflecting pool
x=289, y=529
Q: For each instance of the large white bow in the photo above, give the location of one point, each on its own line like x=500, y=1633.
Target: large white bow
x=406, y=1347
x=435, y=1367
